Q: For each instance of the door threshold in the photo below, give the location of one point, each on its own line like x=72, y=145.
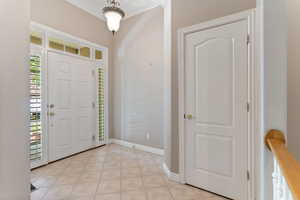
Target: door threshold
x=209, y=191
x=68, y=156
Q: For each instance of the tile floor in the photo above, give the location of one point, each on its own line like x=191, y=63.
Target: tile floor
x=111, y=172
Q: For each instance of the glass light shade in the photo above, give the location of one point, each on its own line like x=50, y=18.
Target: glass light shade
x=113, y=20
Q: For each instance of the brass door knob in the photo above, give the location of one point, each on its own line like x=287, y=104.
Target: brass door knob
x=188, y=116
x=51, y=114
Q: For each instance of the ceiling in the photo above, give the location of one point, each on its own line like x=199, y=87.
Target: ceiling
x=131, y=7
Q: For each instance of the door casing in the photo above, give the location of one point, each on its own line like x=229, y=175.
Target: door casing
x=254, y=92
x=47, y=32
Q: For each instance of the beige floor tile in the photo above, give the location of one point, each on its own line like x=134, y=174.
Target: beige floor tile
x=154, y=181
x=73, y=170
x=58, y=192
x=159, y=194
x=111, y=174
x=97, y=159
x=45, y=181
x=80, y=198
x=191, y=189
x=170, y=183
x=106, y=171
x=151, y=170
x=131, y=184
x=67, y=180
x=115, y=196
x=94, y=165
x=113, y=157
x=109, y=186
x=206, y=194
x=186, y=193
x=89, y=176
x=84, y=189
x=112, y=165
x=38, y=194
x=147, y=162
x=130, y=164
x=134, y=195
x=217, y=198
x=131, y=172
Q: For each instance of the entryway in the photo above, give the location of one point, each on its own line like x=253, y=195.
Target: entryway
x=215, y=83
x=68, y=101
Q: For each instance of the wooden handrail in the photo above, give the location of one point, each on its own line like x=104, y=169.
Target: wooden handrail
x=290, y=167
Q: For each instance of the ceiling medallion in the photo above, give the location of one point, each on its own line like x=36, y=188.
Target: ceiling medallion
x=113, y=14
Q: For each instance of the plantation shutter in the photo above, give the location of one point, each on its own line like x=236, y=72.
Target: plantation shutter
x=35, y=108
x=101, y=114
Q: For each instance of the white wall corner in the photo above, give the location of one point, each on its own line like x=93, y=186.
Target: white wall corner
x=137, y=146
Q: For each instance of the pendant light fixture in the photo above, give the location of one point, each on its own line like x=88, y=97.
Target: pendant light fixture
x=113, y=14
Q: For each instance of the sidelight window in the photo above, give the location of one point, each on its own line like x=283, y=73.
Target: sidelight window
x=101, y=114
x=35, y=109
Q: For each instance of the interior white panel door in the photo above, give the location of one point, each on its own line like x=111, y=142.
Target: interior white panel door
x=70, y=84
x=216, y=95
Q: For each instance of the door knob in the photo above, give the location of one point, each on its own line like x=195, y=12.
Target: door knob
x=188, y=116
x=51, y=114
x=51, y=105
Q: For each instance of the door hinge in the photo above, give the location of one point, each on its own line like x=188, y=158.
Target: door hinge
x=248, y=39
x=93, y=104
x=93, y=72
x=248, y=175
x=248, y=107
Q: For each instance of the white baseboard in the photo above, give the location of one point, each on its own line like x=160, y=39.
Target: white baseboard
x=137, y=146
x=172, y=176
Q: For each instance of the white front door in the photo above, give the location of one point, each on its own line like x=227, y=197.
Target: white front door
x=216, y=95
x=84, y=98
x=70, y=105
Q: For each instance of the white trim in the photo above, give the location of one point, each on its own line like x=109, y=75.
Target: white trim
x=141, y=11
x=255, y=93
x=107, y=95
x=137, y=146
x=53, y=32
x=167, y=85
x=171, y=176
x=123, y=102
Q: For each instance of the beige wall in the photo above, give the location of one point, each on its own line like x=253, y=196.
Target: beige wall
x=65, y=17
x=14, y=100
x=138, y=72
x=294, y=77
x=275, y=82
x=187, y=13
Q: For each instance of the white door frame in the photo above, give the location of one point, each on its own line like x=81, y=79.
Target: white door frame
x=254, y=93
x=47, y=32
